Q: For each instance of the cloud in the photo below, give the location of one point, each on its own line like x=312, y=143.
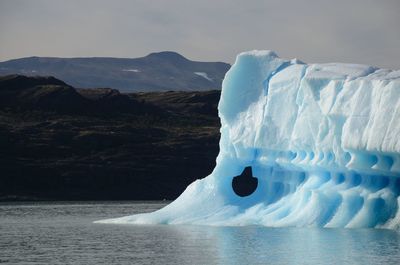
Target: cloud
x=359, y=31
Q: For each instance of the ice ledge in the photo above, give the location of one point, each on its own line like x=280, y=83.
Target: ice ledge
x=336, y=115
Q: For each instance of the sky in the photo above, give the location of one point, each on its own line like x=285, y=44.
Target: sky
x=353, y=31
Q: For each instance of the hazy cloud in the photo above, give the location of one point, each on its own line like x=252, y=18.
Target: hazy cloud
x=358, y=31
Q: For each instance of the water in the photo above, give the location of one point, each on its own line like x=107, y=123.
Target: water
x=63, y=233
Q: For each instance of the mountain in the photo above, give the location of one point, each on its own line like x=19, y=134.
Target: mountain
x=62, y=143
x=50, y=94
x=161, y=71
x=47, y=93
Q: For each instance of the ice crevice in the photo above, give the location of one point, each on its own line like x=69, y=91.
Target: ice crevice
x=323, y=141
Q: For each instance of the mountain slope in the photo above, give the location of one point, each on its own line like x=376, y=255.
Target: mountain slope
x=60, y=143
x=155, y=72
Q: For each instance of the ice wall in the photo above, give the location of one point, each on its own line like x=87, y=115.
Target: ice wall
x=323, y=141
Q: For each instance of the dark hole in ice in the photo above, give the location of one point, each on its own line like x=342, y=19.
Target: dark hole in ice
x=355, y=180
x=330, y=156
x=339, y=178
x=347, y=157
x=302, y=177
x=396, y=186
x=389, y=161
x=373, y=160
x=302, y=155
x=245, y=184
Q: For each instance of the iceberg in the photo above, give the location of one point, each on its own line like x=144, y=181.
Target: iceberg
x=318, y=144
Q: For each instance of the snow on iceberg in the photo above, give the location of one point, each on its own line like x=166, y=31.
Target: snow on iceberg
x=322, y=141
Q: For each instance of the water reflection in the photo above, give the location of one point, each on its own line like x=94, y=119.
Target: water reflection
x=261, y=245
x=65, y=234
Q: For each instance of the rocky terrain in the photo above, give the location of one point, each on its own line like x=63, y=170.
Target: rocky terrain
x=60, y=143
x=160, y=71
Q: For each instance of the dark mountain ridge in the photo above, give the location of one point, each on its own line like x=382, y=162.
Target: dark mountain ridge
x=161, y=71
x=60, y=143
x=50, y=94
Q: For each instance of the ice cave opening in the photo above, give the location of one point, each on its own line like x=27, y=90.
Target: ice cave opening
x=245, y=184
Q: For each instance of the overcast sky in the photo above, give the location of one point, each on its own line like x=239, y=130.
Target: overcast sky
x=357, y=31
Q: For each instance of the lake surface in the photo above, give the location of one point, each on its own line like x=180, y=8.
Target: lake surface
x=64, y=233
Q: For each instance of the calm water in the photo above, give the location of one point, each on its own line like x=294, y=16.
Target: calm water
x=63, y=233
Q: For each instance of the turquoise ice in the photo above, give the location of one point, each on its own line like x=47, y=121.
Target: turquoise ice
x=323, y=140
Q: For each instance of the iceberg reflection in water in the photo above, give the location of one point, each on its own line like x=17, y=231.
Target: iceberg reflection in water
x=63, y=233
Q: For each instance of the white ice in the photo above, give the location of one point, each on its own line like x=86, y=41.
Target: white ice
x=323, y=140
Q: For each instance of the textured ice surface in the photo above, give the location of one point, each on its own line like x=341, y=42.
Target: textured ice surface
x=323, y=140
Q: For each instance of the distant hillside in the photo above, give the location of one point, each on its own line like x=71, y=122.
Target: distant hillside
x=60, y=143
x=23, y=93
x=161, y=71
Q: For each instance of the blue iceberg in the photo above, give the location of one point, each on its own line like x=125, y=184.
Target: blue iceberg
x=320, y=144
